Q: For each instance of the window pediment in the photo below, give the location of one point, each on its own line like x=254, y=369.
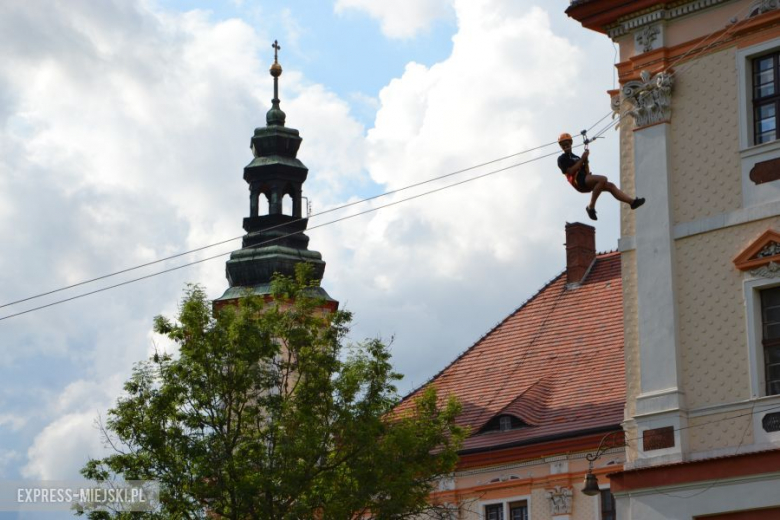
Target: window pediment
x=763, y=251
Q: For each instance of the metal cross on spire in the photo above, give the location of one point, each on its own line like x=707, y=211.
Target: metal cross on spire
x=275, y=116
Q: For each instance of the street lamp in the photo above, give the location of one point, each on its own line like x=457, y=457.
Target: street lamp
x=609, y=441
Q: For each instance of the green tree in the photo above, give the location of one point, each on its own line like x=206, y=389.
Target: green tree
x=266, y=414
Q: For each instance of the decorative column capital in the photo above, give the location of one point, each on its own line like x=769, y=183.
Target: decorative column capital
x=650, y=98
x=762, y=6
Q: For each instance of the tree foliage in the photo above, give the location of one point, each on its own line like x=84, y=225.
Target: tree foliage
x=264, y=413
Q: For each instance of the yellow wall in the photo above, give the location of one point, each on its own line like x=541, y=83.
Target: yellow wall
x=724, y=430
x=706, y=174
x=627, y=172
x=630, y=330
x=711, y=314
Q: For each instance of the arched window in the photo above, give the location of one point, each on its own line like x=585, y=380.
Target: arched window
x=287, y=204
x=265, y=203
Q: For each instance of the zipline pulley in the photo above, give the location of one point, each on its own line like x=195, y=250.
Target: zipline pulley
x=586, y=141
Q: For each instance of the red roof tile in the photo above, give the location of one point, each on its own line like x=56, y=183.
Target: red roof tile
x=556, y=363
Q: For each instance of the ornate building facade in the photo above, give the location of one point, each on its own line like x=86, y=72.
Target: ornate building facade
x=699, y=104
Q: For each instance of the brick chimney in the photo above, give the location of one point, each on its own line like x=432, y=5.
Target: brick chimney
x=580, y=250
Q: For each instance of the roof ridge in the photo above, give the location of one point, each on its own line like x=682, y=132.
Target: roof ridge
x=483, y=337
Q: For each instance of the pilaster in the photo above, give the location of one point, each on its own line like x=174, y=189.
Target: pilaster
x=660, y=416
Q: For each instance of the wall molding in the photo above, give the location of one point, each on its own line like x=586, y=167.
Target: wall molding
x=693, y=486
x=628, y=25
x=714, y=223
x=533, y=462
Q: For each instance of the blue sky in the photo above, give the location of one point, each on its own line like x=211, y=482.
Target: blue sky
x=345, y=51
x=124, y=129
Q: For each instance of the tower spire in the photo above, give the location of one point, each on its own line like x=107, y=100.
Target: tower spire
x=275, y=116
x=275, y=241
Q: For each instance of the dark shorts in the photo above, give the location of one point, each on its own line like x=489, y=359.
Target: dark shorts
x=579, y=182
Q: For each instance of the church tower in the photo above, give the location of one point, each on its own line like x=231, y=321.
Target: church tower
x=274, y=242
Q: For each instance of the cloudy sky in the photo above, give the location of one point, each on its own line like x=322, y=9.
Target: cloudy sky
x=124, y=129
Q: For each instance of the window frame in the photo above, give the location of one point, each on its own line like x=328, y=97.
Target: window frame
x=761, y=403
x=498, y=507
x=753, y=289
x=505, y=504
x=516, y=505
x=745, y=60
x=601, y=516
x=767, y=343
x=751, y=154
x=498, y=424
x=597, y=505
x=772, y=100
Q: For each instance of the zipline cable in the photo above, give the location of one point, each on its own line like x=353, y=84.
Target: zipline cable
x=600, y=133
x=254, y=246
x=324, y=212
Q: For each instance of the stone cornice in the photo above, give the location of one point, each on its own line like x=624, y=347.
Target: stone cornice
x=628, y=24
x=533, y=462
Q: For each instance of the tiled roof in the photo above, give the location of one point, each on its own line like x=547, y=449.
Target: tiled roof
x=556, y=363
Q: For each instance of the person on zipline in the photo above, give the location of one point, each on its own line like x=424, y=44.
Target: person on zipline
x=578, y=174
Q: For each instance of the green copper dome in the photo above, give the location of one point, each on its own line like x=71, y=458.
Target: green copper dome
x=274, y=242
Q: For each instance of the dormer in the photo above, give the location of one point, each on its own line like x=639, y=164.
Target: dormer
x=502, y=423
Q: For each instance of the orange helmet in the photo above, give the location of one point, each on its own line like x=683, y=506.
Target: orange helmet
x=564, y=137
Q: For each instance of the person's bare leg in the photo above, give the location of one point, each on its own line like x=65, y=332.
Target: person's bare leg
x=597, y=183
x=617, y=193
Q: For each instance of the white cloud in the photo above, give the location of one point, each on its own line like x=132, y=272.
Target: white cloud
x=124, y=130
x=88, y=395
x=63, y=447
x=399, y=18
x=292, y=28
x=440, y=270
x=73, y=436
x=123, y=134
x=8, y=457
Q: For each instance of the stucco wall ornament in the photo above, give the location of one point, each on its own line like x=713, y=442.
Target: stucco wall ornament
x=560, y=500
x=650, y=97
x=770, y=270
x=646, y=37
x=763, y=6
x=504, y=477
x=614, y=103
x=771, y=249
x=447, y=483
